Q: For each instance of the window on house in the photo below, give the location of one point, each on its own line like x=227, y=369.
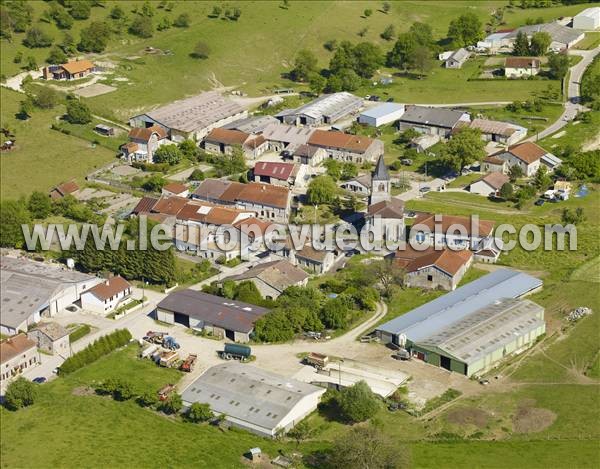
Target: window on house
x=430, y=278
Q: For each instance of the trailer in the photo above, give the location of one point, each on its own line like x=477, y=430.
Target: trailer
x=155, y=337
x=149, y=350
x=189, y=363
x=168, y=359
x=318, y=360
x=236, y=351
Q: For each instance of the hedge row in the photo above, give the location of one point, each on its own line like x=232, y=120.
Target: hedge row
x=97, y=349
x=78, y=333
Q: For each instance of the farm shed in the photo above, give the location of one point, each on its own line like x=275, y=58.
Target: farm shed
x=221, y=316
x=470, y=329
x=380, y=115
x=258, y=401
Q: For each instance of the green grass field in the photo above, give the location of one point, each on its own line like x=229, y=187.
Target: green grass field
x=591, y=40
x=43, y=157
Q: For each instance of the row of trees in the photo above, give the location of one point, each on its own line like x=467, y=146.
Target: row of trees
x=539, y=44
x=97, y=349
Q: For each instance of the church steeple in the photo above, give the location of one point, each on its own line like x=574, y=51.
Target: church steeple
x=380, y=183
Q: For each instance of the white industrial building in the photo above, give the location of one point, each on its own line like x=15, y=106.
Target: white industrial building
x=381, y=115
x=326, y=109
x=33, y=290
x=253, y=399
x=588, y=19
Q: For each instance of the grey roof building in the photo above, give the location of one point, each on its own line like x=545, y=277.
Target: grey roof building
x=192, y=117
x=272, y=278
x=253, y=399
x=325, y=109
x=562, y=36
x=432, y=120
x=220, y=316
x=252, y=124
x=470, y=329
x=32, y=290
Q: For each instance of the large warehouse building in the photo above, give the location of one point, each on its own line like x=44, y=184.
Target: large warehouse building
x=33, y=290
x=326, y=109
x=470, y=329
x=253, y=399
x=213, y=314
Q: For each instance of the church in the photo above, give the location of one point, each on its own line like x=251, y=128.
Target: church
x=383, y=206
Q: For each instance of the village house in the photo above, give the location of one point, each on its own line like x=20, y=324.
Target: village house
x=252, y=124
x=431, y=120
x=453, y=231
x=143, y=143
x=457, y=58
x=52, y=338
x=64, y=189
x=72, y=70
x=431, y=268
x=517, y=67
x=360, y=185
x=326, y=109
x=266, y=201
x=281, y=137
x=17, y=354
x=345, y=147
x=491, y=164
x=105, y=297
x=192, y=118
x=308, y=258
x=528, y=156
x=175, y=189
x=225, y=141
x=308, y=155
x=489, y=185
x=272, y=278
x=497, y=131
x=279, y=174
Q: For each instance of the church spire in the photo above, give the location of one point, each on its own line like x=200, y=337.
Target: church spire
x=381, y=173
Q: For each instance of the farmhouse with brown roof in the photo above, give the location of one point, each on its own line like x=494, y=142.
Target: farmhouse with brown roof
x=17, y=354
x=345, y=147
x=433, y=268
x=70, y=71
x=106, y=296
x=143, y=143
x=448, y=230
x=517, y=67
x=64, y=189
x=528, y=156
x=225, y=140
x=489, y=185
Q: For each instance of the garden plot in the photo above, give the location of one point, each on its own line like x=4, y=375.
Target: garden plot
x=97, y=89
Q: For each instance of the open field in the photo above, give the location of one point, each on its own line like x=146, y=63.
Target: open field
x=578, y=135
x=43, y=157
x=591, y=40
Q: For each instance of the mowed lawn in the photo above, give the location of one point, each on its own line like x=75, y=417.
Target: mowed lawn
x=42, y=157
x=73, y=430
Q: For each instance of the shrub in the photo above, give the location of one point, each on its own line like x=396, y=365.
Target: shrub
x=357, y=403
x=172, y=405
x=100, y=347
x=148, y=399
x=199, y=413
x=78, y=112
x=20, y=393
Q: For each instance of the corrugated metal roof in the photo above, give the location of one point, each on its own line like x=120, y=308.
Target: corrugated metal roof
x=383, y=110
x=429, y=318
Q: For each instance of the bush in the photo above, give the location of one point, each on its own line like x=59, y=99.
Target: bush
x=78, y=112
x=357, y=403
x=201, y=50
x=20, y=393
x=199, y=413
x=100, y=347
x=148, y=399
x=172, y=405
x=35, y=37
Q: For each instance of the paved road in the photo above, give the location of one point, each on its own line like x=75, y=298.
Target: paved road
x=572, y=104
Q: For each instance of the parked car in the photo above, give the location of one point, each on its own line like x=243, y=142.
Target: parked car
x=390, y=100
x=39, y=380
x=374, y=98
x=424, y=189
x=540, y=202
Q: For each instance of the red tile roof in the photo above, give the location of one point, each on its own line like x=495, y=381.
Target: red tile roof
x=78, y=66
x=447, y=260
x=141, y=133
x=169, y=204
x=329, y=139
x=175, y=188
x=281, y=171
x=144, y=205
x=485, y=227
x=13, y=346
x=527, y=152
x=264, y=194
x=64, y=189
x=109, y=288
x=227, y=136
x=522, y=62
x=495, y=180
x=208, y=213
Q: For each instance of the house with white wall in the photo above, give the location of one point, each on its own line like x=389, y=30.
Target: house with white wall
x=105, y=297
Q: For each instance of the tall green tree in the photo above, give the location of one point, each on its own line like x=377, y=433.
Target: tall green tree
x=357, y=403
x=540, y=42
x=170, y=154
x=78, y=112
x=558, y=66
x=95, y=37
x=521, y=47
x=39, y=205
x=322, y=190
x=465, y=30
x=13, y=214
x=464, y=148
x=20, y=393
x=305, y=64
